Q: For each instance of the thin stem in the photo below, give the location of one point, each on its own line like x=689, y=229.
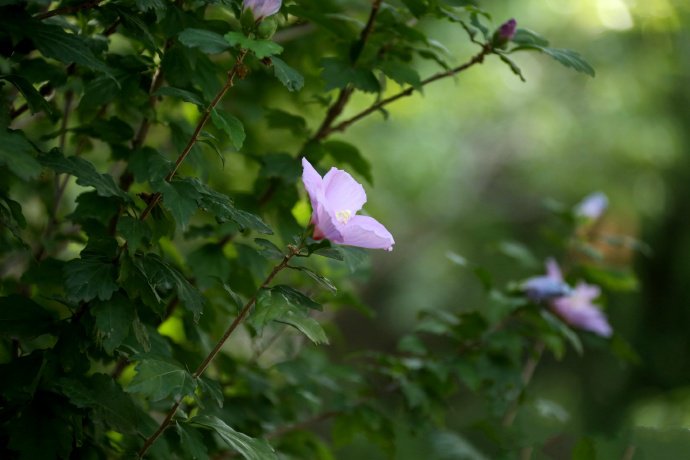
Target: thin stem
x=68, y=9
x=344, y=96
x=477, y=59
x=218, y=347
x=230, y=82
x=527, y=374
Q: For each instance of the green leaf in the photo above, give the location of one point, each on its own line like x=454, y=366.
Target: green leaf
x=135, y=232
x=295, y=297
x=181, y=198
x=584, y=450
x=23, y=318
x=280, y=119
x=16, y=152
x=568, y=58
x=322, y=280
x=191, y=442
x=53, y=42
x=275, y=305
x=564, y=331
x=113, y=320
x=344, y=153
x=161, y=276
x=183, y=94
x=289, y=77
x=268, y=249
x=85, y=173
x=261, y=48
x=230, y=125
x=100, y=393
x=48, y=420
x=249, y=448
x=282, y=166
x=35, y=101
x=159, y=377
x=206, y=40
x=90, y=277
x=92, y=206
x=338, y=74
x=528, y=37
x=402, y=74
x=520, y=253
x=221, y=206
x=513, y=66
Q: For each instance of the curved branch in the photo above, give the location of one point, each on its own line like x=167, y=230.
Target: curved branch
x=216, y=349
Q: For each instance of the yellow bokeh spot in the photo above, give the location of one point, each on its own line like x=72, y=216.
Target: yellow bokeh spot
x=173, y=328
x=302, y=213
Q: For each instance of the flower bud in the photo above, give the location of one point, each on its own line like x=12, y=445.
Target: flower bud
x=540, y=288
x=504, y=33
x=262, y=8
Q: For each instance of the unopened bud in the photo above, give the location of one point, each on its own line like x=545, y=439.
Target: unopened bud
x=505, y=33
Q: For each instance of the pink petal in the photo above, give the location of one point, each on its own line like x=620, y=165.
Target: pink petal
x=343, y=192
x=366, y=232
x=312, y=182
x=553, y=270
x=326, y=226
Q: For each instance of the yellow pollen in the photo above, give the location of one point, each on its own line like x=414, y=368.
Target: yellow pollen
x=343, y=216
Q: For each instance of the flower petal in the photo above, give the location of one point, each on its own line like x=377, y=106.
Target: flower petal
x=553, y=271
x=326, y=226
x=343, y=192
x=587, y=317
x=313, y=183
x=366, y=232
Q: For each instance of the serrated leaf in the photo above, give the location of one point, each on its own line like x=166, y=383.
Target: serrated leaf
x=53, y=42
x=322, y=280
x=229, y=124
x=249, y=448
x=568, y=58
x=295, y=297
x=34, y=100
x=23, y=318
x=222, y=207
x=528, y=37
x=113, y=320
x=206, y=40
x=100, y=393
x=90, y=277
x=273, y=305
x=338, y=74
x=183, y=94
x=134, y=231
x=402, y=74
x=268, y=249
x=289, y=77
x=191, y=442
x=181, y=198
x=160, y=275
x=85, y=173
x=513, y=66
x=159, y=377
x=16, y=152
x=261, y=48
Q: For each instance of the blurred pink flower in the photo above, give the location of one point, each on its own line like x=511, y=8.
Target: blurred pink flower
x=592, y=206
x=507, y=30
x=335, y=200
x=576, y=307
x=262, y=8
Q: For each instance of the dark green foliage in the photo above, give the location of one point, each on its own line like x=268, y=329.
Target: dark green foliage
x=145, y=212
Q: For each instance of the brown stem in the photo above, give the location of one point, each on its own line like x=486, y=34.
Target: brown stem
x=527, y=374
x=68, y=9
x=216, y=349
x=344, y=96
x=477, y=59
x=230, y=82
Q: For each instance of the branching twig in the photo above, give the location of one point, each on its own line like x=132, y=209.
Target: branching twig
x=221, y=342
x=68, y=9
x=477, y=59
x=229, y=83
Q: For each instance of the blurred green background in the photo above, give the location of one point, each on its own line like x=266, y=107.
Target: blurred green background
x=473, y=162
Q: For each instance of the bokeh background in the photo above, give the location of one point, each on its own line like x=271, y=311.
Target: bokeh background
x=477, y=163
